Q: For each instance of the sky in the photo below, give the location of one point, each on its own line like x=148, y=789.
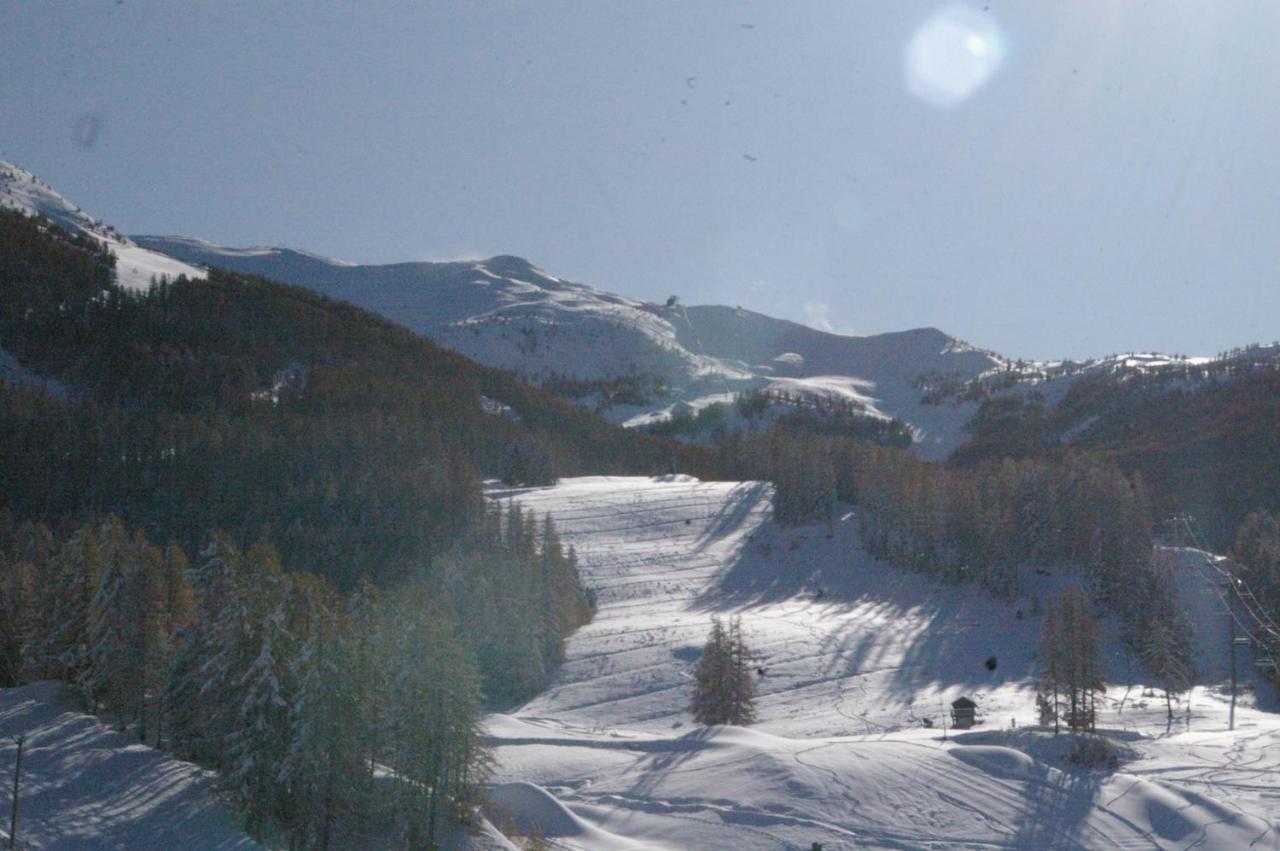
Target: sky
x=1044, y=179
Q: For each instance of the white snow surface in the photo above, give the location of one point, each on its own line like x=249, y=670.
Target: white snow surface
x=855, y=655
x=136, y=266
x=86, y=787
x=506, y=312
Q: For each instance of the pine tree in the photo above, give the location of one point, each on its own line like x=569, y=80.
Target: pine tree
x=76, y=570
x=323, y=767
x=253, y=660
x=724, y=692
x=195, y=710
x=432, y=713
x=742, y=693
x=19, y=611
x=109, y=669
x=1167, y=661
x=1072, y=669
x=1054, y=664
x=258, y=742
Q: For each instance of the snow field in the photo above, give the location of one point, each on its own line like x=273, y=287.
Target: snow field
x=855, y=656
x=85, y=786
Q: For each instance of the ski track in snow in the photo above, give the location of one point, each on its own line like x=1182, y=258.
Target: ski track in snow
x=856, y=654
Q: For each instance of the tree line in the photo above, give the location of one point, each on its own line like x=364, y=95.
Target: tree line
x=980, y=523
x=330, y=716
x=261, y=409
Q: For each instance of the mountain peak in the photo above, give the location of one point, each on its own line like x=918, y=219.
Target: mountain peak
x=136, y=266
x=511, y=266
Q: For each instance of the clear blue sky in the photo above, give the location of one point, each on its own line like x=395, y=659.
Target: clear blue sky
x=1046, y=179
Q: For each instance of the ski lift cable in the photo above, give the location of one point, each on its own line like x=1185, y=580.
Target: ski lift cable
x=1217, y=589
x=1217, y=586
x=702, y=349
x=1236, y=618
x=1237, y=583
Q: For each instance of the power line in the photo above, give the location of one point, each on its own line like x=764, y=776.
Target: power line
x=1262, y=622
x=1241, y=588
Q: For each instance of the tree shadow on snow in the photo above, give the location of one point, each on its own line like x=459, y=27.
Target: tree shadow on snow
x=1058, y=807
x=907, y=629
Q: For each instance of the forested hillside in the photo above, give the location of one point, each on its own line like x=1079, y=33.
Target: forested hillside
x=352, y=602
x=257, y=408
x=1205, y=438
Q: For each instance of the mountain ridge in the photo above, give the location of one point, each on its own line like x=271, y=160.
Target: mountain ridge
x=136, y=265
x=507, y=312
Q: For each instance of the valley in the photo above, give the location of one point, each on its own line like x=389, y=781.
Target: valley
x=855, y=656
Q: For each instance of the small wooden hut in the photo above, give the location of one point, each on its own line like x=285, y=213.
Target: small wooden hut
x=964, y=713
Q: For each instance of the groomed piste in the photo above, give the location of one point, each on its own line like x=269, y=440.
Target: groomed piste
x=854, y=659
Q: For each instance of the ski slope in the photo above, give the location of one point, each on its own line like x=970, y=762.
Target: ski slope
x=854, y=655
x=85, y=786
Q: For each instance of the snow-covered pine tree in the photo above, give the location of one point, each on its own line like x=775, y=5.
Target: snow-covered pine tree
x=432, y=716
x=366, y=651
x=742, y=692
x=1053, y=665
x=108, y=673
x=259, y=739
x=75, y=573
x=19, y=618
x=195, y=716
x=254, y=662
x=709, y=703
x=323, y=768
x=169, y=585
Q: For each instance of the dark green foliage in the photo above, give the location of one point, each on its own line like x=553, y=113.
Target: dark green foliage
x=527, y=462
x=724, y=692
x=518, y=595
x=257, y=408
x=292, y=693
x=1206, y=439
x=986, y=522
x=634, y=388
x=1257, y=551
x=689, y=424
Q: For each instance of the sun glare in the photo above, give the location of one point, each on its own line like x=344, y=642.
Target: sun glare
x=953, y=54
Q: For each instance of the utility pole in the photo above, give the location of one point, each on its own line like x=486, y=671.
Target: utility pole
x=17, y=776
x=1238, y=641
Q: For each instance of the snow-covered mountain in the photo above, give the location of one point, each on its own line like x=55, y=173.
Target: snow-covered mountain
x=508, y=313
x=136, y=266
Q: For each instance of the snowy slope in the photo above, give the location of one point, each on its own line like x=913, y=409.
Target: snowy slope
x=855, y=656
x=87, y=787
x=506, y=312
x=135, y=266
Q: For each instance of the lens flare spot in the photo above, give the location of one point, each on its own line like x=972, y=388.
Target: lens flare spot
x=952, y=55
